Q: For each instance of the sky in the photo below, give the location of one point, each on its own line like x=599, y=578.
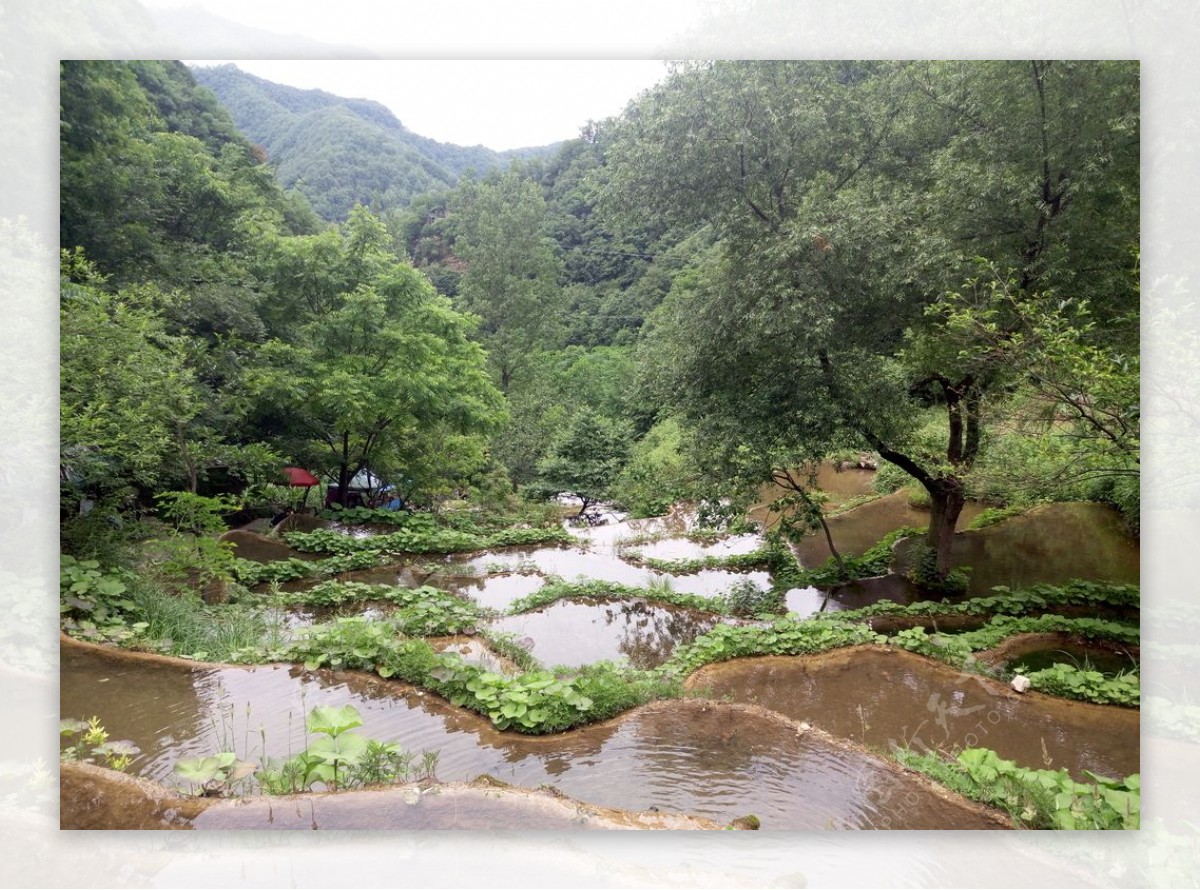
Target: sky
x=501, y=104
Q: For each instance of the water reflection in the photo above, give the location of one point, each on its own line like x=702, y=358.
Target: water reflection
x=577, y=633
x=490, y=591
x=856, y=531
x=1052, y=544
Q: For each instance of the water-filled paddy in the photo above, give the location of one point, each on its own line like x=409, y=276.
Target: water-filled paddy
x=577, y=633
x=704, y=758
x=884, y=698
x=716, y=759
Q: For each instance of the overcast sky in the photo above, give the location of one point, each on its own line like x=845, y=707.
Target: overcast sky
x=501, y=104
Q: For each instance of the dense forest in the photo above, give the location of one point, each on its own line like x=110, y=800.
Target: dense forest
x=755, y=267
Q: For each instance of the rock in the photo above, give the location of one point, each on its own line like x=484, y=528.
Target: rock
x=1021, y=684
x=260, y=548
x=745, y=823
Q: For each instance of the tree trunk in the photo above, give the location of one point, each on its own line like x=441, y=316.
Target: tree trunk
x=833, y=551
x=946, y=498
x=345, y=473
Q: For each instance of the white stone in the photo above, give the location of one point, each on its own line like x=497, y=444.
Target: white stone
x=1021, y=684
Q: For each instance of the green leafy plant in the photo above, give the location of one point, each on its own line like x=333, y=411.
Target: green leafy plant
x=92, y=744
x=925, y=574
x=215, y=775
x=193, y=550
x=957, y=649
x=556, y=589
x=1036, y=798
x=783, y=636
x=748, y=599
x=1038, y=598
x=337, y=759
x=96, y=604
x=1069, y=681
x=995, y=515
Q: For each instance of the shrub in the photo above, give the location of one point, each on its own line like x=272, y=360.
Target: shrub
x=1068, y=681
x=748, y=599
x=1037, y=798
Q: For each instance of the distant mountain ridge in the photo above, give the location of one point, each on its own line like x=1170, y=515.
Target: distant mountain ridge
x=338, y=151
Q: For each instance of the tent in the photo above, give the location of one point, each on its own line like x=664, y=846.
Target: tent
x=301, y=478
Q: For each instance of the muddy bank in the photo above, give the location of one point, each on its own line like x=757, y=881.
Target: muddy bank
x=95, y=798
x=884, y=698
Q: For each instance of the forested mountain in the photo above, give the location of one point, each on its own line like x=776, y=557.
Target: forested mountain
x=339, y=152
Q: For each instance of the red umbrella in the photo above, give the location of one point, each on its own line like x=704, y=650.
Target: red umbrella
x=300, y=478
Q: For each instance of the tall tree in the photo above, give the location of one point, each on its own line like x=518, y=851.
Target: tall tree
x=367, y=380
x=512, y=277
x=849, y=197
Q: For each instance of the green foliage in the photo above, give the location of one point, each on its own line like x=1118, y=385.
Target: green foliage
x=376, y=369
x=957, y=649
x=585, y=457
x=371, y=516
x=838, y=306
x=95, y=604
x=783, y=636
x=419, y=611
x=91, y=744
x=192, y=551
x=543, y=702
x=951, y=648
x=734, y=562
x=336, y=760
x=657, y=474
x=507, y=645
x=995, y=515
x=1003, y=626
x=422, y=538
x=747, y=599
x=533, y=702
x=350, y=642
x=214, y=775
x=1069, y=681
x=181, y=624
x=511, y=280
x=338, y=151
x=1036, y=798
x=925, y=574
x=127, y=396
x=875, y=561
x=1038, y=598
x=556, y=589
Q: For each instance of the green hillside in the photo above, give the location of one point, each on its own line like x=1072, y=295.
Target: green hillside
x=339, y=152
